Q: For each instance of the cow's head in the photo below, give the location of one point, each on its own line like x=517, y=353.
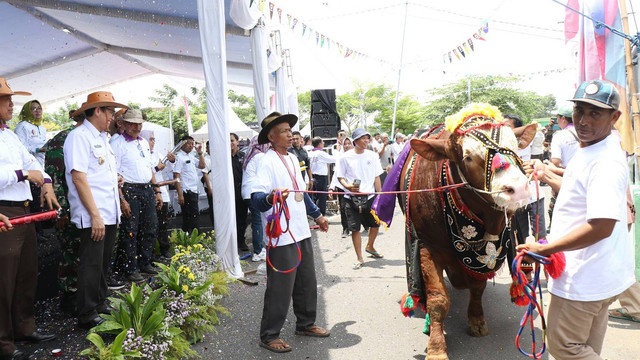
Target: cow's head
x=483, y=150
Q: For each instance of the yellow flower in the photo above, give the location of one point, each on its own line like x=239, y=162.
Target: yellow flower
x=180, y=268
x=185, y=288
x=191, y=277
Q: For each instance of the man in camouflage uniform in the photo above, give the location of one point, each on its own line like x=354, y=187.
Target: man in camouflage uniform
x=66, y=232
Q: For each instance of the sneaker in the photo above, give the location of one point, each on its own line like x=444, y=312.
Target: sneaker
x=135, y=277
x=345, y=233
x=114, y=283
x=149, y=270
x=262, y=256
x=165, y=254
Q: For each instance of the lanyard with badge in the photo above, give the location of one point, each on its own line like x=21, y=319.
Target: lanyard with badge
x=298, y=196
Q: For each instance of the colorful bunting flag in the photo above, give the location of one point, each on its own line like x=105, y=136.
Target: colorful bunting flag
x=466, y=47
x=289, y=19
x=295, y=22
x=450, y=58
x=304, y=29
x=271, y=6
x=280, y=15
x=461, y=51
x=485, y=27
x=455, y=52
x=262, y=2
x=321, y=41
x=470, y=44
x=317, y=38
x=349, y=51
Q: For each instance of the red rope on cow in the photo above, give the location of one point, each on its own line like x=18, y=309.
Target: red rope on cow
x=30, y=218
x=439, y=189
x=274, y=230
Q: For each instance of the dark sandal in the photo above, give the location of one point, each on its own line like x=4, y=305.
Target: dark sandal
x=269, y=346
x=314, y=331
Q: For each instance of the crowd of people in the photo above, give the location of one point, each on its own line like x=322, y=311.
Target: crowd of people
x=111, y=189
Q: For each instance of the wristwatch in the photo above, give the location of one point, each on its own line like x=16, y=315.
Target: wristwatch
x=25, y=174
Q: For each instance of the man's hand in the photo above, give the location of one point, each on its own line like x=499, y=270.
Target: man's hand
x=161, y=166
x=323, y=223
x=171, y=157
x=7, y=225
x=97, y=228
x=158, y=200
x=43, y=149
x=353, y=188
x=120, y=180
x=181, y=200
x=49, y=197
x=125, y=207
x=35, y=177
x=534, y=247
x=199, y=149
x=284, y=194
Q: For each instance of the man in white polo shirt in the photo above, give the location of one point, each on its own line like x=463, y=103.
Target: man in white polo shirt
x=139, y=198
x=186, y=171
x=90, y=169
x=320, y=161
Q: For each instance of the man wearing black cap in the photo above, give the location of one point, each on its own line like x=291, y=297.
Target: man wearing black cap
x=292, y=250
x=18, y=257
x=589, y=225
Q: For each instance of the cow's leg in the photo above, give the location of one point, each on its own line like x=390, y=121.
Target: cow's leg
x=437, y=305
x=475, y=314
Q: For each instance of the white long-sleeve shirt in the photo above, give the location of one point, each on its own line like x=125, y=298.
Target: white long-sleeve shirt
x=32, y=137
x=15, y=156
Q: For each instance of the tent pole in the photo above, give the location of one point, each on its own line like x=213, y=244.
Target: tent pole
x=395, y=102
x=635, y=109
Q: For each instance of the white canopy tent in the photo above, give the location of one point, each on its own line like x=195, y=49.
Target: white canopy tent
x=235, y=126
x=60, y=49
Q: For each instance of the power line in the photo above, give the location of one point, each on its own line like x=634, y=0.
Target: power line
x=356, y=12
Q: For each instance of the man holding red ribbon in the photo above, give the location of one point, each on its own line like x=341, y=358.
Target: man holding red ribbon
x=291, y=274
x=18, y=257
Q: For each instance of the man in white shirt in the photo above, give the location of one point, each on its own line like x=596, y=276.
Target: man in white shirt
x=590, y=226
x=18, y=256
x=320, y=161
x=386, y=156
x=186, y=172
x=398, y=145
x=279, y=172
x=140, y=196
x=359, y=172
x=90, y=170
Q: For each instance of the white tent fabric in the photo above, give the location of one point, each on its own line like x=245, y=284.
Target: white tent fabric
x=235, y=126
x=281, y=91
x=243, y=14
x=260, y=73
x=214, y=58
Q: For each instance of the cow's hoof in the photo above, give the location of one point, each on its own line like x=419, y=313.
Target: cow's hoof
x=478, y=330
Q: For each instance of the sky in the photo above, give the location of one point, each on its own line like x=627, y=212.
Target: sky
x=524, y=38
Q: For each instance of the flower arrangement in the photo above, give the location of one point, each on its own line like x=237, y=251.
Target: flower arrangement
x=453, y=122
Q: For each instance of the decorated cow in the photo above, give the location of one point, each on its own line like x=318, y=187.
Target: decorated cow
x=459, y=230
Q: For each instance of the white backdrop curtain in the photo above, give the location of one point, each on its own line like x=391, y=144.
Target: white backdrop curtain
x=211, y=22
x=260, y=72
x=281, y=91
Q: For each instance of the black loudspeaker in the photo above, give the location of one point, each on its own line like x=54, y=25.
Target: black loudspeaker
x=318, y=108
x=325, y=131
x=325, y=120
x=323, y=101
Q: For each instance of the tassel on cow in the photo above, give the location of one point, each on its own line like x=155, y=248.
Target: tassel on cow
x=408, y=304
x=518, y=295
x=377, y=219
x=556, y=264
x=427, y=325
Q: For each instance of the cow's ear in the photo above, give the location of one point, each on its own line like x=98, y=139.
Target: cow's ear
x=430, y=149
x=525, y=134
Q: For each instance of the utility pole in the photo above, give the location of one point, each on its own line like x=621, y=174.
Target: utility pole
x=395, y=103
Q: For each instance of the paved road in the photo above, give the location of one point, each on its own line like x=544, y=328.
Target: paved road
x=361, y=308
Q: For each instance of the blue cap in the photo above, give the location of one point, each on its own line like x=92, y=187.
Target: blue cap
x=358, y=133
x=600, y=93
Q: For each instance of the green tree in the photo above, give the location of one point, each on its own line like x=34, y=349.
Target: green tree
x=499, y=91
x=244, y=106
x=304, y=108
x=166, y=96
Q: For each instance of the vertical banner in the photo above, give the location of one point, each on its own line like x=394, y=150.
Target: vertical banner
x=187, y=115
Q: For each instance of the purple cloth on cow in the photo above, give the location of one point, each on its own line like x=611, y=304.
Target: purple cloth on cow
x=385, y=204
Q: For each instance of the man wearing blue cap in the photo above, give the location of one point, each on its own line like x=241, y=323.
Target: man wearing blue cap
x=589, y=226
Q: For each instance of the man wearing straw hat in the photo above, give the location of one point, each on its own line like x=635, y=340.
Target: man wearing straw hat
x=292, y=252
x=18, y=257
x=90, y=169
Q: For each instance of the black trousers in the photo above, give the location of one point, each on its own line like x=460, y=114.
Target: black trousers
x=95, y=257
x=299, y=285
x=210, y=201
x=18, y=280
x=163, y=222
x=320, y=183
x=190, y=212
x=241, y=223
x=138, y=232
x=342, y=202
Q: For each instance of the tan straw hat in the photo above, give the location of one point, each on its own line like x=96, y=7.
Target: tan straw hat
x=98, y=99
x=6, y=90
x=272, y=120
x=133, y=116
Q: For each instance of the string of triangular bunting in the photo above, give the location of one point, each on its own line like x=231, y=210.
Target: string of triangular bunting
x=320, y=39
x=467, y=47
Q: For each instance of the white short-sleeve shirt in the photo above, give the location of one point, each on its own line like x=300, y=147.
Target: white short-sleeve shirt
x=87, y=150
x=564, y=145
x=187, y=166
x=14, y=155
x=133, y=158
x=250, y=174
x=319, y=160
x=365, y=166
x=32, y=137
x=594, y=186
x=274, y=175
x=164, y=191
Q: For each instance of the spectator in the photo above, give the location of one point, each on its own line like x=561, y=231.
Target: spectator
x=206, y=183
x=307, y=143
x=18, y=259
x=320, y=161
x=186, y=172
x=241, y=207
x=589, y=226
x=359, y=171
x=249, y=177
x=386, y=156
x=537, y=146
x=397, y=146
x=279, y=172
x=347, y=145
x=91, y=174
x=303, y=158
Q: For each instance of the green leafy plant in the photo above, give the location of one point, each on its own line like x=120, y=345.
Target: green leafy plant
x=131, y=313
x=113, y=351
x=181, y=238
